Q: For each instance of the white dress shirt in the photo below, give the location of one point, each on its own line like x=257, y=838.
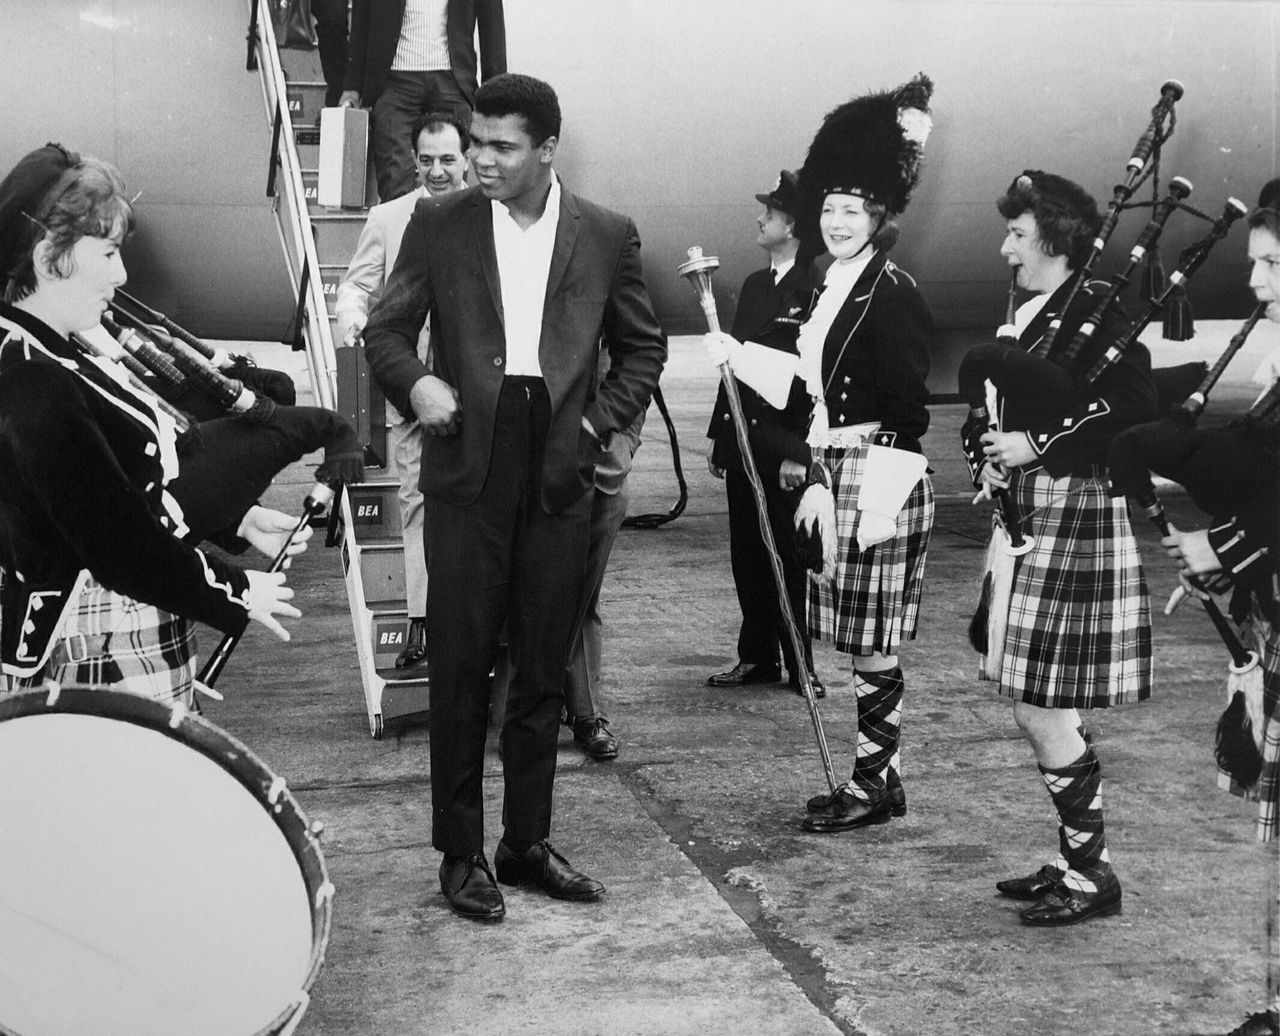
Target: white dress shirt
x=524, y=263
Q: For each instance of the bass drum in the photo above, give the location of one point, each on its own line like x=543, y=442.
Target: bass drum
x=155, y=877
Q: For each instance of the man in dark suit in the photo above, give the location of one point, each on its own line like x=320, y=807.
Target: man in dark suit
x=772, y=305
x=523, y=282
x=409, y=57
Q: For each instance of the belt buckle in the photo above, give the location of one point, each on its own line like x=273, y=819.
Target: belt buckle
x=73, y=638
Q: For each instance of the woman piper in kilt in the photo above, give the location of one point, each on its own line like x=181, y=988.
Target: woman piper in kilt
x=96, y=586
x=860, y=381
x=1078, y=633
x=1242, y=544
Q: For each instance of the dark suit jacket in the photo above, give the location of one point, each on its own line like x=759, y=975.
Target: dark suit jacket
x=448, y=267
x=375, y=32
x=770, y=314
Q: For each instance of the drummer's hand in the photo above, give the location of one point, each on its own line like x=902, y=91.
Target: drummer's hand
x=716, y=472
x=720, y=347
x=435, y=405
x=268, y=530
x=269, y=597
x=1008, y=449
x=1192, y=551
x=792, y=475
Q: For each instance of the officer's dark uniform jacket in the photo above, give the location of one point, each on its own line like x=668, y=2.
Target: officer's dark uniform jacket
x=769, y=314
x=1070, y=423
x=83, y=465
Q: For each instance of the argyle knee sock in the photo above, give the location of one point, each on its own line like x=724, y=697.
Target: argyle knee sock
x=1076, y=790
x=879, y=722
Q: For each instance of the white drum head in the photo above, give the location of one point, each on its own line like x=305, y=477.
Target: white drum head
x=143, y=888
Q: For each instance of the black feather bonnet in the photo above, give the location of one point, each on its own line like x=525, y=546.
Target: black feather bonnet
x=870, y=146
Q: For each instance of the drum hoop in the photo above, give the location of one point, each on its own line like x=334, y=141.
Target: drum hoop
x=233, y=756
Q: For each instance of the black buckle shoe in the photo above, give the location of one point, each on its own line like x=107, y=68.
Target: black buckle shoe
x=845, y=812
x=1033, y=886
x=747, y=673
x=1062, y=906
x=542, y=866
x=893, y=786
x=595, y=738
x=1264, y=1023
x=468, y=885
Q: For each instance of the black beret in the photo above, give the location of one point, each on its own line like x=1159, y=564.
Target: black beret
x=22, y=191
x=1056, y=191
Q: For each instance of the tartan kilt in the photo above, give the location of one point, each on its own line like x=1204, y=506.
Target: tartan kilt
x=1079, y=632
x=137, y=648
x=873, y=601
x=1267, y=790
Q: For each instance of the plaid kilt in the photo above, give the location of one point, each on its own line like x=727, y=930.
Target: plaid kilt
x=1079, y=632
x=133, y=647
x=1267, y=790
x=873, y=602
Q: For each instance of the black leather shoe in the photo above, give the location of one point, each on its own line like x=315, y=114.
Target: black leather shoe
x=1264, y=1023
x=468, y=885
x=893, y=787
x=544, y=867
x=819, y=690
x=415, y=649
x=1062, y=906
x=1033, y=886
x=845, y=812
x=746, y=672
x=595, y=738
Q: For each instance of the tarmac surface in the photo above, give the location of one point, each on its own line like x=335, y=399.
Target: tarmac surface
x=722, y=916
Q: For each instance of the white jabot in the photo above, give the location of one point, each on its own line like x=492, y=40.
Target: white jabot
x=1028, y=311
x=424, y=37
x=524, y=262
x=838, y=284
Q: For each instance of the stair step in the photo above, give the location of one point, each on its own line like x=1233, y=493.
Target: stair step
x=336, y=234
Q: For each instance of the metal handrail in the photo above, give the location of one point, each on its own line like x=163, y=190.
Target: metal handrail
x=295, y=222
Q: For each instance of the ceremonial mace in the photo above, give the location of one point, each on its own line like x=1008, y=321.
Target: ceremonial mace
x=697, y=270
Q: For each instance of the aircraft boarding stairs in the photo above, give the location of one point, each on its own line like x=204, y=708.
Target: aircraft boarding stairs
x=367, y=520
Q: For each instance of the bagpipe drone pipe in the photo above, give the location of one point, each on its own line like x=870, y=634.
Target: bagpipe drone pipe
x=1234, y=470
x=201, y=404
x=227, y=462
x=1142, y=165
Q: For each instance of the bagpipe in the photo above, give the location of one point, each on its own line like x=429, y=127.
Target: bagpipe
x=226, y=461
x=1224, y=471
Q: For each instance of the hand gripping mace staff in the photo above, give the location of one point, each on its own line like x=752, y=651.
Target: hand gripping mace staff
x=320, y=496
x=697, y=270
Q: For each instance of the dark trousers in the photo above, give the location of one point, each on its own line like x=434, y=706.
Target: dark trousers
x=763, y=630
x=582, y=691
x=406, y=96
x=501, y=558
x=331, y=36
